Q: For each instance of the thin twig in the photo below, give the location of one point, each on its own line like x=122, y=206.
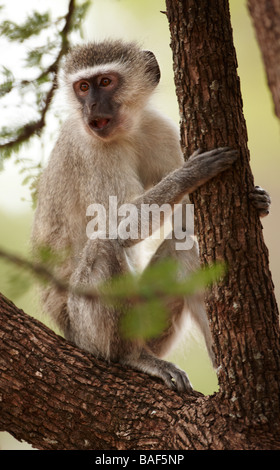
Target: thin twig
x=41, y=271
x=37, y=126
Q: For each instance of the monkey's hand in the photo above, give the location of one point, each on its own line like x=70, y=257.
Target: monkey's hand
x=201, y=167
x=260, y=200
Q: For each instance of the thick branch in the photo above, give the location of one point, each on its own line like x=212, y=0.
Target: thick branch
x=55, y=396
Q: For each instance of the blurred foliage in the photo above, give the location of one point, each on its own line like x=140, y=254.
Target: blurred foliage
x=145, y=297
x=8, y=80
x=32, y=26
x=14, y=234
x=46, y=59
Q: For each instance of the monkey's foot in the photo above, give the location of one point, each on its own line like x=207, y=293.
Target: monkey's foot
x=260, y=200
x=174, y=377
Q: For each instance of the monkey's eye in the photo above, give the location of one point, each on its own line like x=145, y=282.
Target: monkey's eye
x=105, y=82
x=84, y=86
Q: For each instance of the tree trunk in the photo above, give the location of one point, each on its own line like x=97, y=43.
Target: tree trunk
x=266, y=19
x=242, y=309
x=55, y=396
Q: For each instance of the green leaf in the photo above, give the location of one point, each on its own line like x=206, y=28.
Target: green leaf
x=144, y=321
x=31, y=27
x=144, y=298
x=17, y=282
x=120, y=288
x=78, y=15
x=8, y=83
x=27, y=180
x=159, y=278
x=35, y=56
x=50, y=257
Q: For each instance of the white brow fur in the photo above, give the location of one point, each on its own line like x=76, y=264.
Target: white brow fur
x=89, y=72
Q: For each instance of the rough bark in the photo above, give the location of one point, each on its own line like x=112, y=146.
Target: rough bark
x=242, y=309
x=266, y=19
x=55, y=396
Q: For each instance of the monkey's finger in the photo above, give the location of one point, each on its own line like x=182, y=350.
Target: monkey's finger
x=225, y=154
x=260, y=204
x=196, y=153
x=224, y=157
x=213, y=152
x=187, y=383
x=182, y=381
x=217, y=151
x=263, y=212
x=176, y=378
x=209, y=164
x=260, y=197
x=259, y=190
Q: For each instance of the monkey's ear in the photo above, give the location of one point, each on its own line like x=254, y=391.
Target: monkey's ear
x=152, y=66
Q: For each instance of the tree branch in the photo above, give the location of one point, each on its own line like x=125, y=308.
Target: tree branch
x=36, y=127
x=55, y=396
x=45, y=274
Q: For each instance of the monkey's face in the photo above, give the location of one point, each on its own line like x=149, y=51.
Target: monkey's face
x=100, y=108
x=111, y=83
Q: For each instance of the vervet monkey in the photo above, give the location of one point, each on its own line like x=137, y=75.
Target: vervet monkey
x=114, y=143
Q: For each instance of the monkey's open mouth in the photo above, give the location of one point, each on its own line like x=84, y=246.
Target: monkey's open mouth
x=99, y=124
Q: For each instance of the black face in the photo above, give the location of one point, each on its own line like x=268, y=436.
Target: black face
x=100, y=111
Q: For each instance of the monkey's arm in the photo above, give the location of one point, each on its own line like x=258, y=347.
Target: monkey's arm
x=200, y=168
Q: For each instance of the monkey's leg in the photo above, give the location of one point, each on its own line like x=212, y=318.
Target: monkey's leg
x=188, y=261
x=54, y=301
x=94, y=326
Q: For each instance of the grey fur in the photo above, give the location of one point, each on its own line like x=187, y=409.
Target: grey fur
x=140, y=161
